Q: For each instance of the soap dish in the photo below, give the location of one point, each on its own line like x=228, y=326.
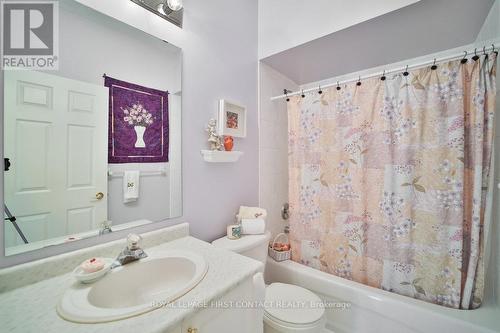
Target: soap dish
x=85, y=277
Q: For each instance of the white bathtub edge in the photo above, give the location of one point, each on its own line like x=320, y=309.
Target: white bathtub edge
x=417, y=315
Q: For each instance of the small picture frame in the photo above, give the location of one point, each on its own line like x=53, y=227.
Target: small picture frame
x=232, y=119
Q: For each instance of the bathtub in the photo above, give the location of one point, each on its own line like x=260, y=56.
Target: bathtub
x=375, y=310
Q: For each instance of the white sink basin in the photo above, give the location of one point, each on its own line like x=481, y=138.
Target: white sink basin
x=135, y=288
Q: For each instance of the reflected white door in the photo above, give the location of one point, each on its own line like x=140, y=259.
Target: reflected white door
x=55, y=135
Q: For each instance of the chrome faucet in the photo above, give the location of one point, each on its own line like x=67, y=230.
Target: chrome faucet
x=131, y=253
x=104, y=228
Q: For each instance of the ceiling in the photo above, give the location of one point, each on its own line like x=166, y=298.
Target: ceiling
x=313, y=19
x=425, y=27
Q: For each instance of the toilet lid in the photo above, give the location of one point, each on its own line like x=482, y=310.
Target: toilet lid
x=242, y=244
x=293, y=304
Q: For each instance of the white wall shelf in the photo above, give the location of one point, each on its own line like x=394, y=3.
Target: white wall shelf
x=216, y=156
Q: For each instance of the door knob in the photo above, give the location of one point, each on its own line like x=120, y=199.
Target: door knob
x=99, y=195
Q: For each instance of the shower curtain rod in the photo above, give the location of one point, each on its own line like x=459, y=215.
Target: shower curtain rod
x=462, y=54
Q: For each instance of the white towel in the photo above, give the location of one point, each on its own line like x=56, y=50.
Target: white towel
x=253, y=226
x=251, y=213
x=130, y=186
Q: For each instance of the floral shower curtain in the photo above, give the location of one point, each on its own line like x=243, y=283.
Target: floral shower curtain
x=388, y=180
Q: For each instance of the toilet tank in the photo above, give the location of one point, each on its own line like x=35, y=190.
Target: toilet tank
x=253, y=246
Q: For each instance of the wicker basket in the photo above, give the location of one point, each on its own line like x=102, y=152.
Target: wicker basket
x=279, y=255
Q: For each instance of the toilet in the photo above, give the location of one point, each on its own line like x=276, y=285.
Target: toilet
x=288, y=308
x=252, y=246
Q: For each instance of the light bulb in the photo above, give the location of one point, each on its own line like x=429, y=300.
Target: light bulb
x=175, y=5
x=161, y=9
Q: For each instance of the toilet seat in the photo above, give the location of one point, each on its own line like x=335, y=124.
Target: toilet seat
x=292, y=306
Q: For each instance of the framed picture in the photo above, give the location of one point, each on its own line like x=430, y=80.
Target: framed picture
x=138, y=123
x=232, y=119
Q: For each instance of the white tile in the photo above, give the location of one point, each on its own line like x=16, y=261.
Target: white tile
x=267, y=135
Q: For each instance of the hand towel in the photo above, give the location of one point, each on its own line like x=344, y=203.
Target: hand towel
x=253, y=226
x=252, y=213
x=130, y=186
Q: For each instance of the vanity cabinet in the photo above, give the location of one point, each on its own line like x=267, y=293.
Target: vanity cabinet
x=230, y=313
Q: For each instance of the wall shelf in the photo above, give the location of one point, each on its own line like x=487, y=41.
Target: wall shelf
x=217, y=156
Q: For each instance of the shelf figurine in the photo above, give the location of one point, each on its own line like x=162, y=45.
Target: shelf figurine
x=214, y=139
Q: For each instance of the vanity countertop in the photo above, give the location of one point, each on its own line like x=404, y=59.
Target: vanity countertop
x=32, y=308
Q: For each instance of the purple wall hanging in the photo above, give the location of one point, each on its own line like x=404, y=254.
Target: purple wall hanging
x=138, y=123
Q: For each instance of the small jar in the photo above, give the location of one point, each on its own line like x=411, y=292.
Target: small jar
x=234, y=231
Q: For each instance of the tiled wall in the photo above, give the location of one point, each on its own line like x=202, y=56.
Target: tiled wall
x=273, y=145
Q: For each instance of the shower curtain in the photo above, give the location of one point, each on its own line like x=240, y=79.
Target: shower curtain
x=388, y=180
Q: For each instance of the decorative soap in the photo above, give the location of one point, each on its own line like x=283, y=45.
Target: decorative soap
x=92, y=265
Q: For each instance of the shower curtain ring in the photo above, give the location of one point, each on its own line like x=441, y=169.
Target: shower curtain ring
x=359, y=81
x=484, y=52
x=406, y=73
x=319, y=90
x=475, y=57
x=434, y=66
x=383, y=76
x=302, y=95
x=338, y=85
x=464, y=59
x=286, y=95
x=496, y=51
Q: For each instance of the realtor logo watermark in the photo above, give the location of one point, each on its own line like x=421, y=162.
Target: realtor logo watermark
x=30, y=38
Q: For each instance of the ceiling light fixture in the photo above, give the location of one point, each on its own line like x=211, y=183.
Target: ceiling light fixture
x=170, y=10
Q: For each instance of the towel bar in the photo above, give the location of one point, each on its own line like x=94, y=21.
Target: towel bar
x=117, y=174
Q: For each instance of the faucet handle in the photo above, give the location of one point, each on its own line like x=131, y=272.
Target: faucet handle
x=133, y=241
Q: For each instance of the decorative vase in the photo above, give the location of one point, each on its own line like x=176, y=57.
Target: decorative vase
x=139, y=132
x=228, y=143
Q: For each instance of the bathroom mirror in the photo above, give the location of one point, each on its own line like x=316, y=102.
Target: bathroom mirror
x=94, y=146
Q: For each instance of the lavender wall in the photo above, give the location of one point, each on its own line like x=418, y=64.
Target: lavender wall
x=218, y=62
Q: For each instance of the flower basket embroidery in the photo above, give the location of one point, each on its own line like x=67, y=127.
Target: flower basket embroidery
x=138, y=123
x=138, y=117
